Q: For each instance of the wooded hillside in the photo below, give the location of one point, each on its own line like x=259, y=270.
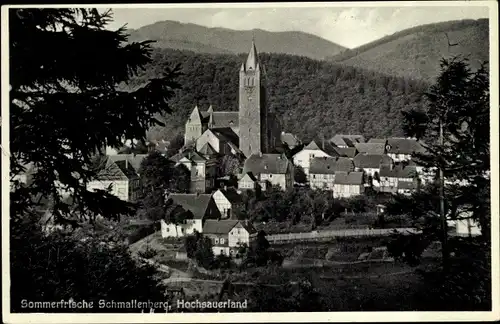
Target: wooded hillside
x=311, y=97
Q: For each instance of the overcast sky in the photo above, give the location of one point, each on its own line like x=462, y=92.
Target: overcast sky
x=349, y=27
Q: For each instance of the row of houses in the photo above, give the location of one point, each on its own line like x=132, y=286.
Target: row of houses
x=346, y=165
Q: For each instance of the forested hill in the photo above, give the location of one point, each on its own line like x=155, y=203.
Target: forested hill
x=416, y=52
x=311, y=97
x=201, y=39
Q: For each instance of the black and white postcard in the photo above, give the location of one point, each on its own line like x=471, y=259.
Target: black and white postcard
x=250, y=162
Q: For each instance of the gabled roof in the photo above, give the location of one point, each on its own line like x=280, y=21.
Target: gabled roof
x=221, y=119
x=370, y=148
x=398, y=171
x=119, y=170
x=404, y=146
x=231, y=195
x=134, y=159
x=349, y=152
x=349, y=178
x=330, y=165
x=212, y=226
x=226, y=134
x=347, y=140
x=248, y=226
x=197, y=204
x=371, y=161
x=266, y=163
x=249, y=175
x=289, y=139
x=207, y=150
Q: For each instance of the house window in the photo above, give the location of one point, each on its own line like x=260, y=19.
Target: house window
x=314, y=176
x=238, y=231
x=270, y=176
x=216, y=240
x=221, y=241
x=222, y=251
x=168, y=229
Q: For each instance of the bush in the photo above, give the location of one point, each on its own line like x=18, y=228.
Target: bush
x=140, y=232
x=148, y=253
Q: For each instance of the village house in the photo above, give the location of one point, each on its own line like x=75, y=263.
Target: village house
x=323, y=169
x=120, y=176
x=200, y=206
x=248, y=181
x=402, y=149
x=311, y=151
x=348, y=184
x=275, y=169
x=203, y=170
x=346, y=141
x=229, y=235
x=227, y=200
x=370, y=163
x=392, y=177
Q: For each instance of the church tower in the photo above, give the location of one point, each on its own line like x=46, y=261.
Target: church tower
x=253, y=116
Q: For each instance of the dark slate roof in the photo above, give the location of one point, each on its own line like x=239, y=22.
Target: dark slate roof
x=266, y=163
x=219, y=226
x=195, y=156
x=370, y=148
x=222, y=118
x=119, y=170
x=349, y=140
x=403, y=146
x=372, y=161
x=407, y=185
x=349, y=178
x=397, y=171
x=324, y=146
x=134, y=159
x=330, y=165
x=231, y=195
x=349, y=152
x=227, y=134
x=289, y=139
x=377, y=140
x=197, y=204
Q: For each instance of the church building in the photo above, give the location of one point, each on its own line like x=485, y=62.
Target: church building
x=255, y=128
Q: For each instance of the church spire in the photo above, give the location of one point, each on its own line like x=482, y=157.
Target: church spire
x=253, y=57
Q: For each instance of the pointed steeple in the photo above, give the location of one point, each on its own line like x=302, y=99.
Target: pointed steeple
x=252, y=62
x=211, y=119
x=195, y=116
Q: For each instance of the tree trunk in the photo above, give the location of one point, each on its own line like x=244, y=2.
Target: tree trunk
x=444, y=227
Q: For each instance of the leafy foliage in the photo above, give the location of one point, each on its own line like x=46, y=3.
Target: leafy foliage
x=66, y=105
x=299, y=175
x=48, y=89
x=57, y=266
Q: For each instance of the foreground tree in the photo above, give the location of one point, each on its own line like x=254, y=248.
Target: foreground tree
x=456, y=137
x=66, y=105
